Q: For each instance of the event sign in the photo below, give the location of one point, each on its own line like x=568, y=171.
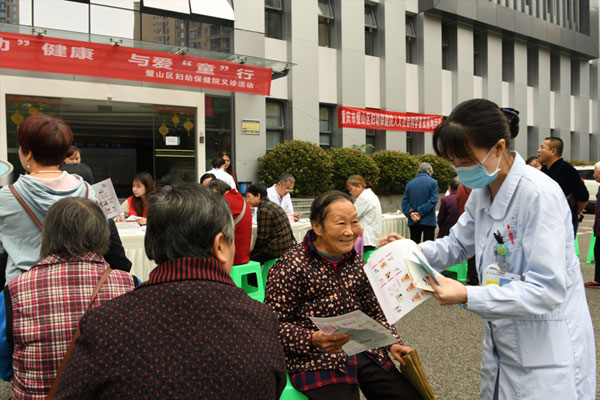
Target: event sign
x=363, y=118
x=47, y=54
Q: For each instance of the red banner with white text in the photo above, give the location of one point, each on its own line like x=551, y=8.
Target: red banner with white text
x=45, y=54
x=363, y=118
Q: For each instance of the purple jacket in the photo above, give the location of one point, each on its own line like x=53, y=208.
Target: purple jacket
x=448, y=214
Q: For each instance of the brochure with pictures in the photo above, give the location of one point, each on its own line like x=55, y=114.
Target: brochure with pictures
x=398, y=274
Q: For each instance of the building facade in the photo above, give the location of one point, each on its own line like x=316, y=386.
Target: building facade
x=538, y=56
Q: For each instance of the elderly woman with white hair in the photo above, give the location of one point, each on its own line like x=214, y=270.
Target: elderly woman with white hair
x=418, y=203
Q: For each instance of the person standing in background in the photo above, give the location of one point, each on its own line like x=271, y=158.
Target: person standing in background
x=448, y=214
x=596, y=282
x=368, y=208
x=550, y=154
x=228, y=167
x=418, y=204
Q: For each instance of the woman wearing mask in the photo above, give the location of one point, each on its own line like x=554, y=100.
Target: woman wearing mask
x=539, y=340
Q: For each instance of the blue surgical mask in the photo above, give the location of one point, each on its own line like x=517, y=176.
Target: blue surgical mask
x=476, y=176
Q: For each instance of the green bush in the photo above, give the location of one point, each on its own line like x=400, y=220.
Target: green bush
x=310, y=165
x=442, y=170
x=581, y=162
x=348, y=162
x=395, y=170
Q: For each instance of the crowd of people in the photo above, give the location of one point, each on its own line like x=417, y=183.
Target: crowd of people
x=75, y=324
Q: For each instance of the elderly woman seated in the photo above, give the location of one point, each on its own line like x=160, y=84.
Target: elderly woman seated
x=324, y=277
x=188, y=332
x=40, y=309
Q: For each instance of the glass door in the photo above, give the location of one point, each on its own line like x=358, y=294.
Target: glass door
x=174, y=140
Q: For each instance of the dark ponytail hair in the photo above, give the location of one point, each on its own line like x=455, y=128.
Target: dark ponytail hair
x=512, y=116
x=479, y=123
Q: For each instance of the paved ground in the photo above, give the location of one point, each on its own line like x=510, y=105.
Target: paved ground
x=449, y=338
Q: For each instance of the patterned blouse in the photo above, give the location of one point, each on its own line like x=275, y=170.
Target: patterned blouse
x=302, y=284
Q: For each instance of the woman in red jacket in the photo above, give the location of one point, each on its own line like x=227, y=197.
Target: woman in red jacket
x=142, y=187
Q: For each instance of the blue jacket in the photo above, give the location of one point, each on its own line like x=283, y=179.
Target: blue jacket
x=421, y=195
x=19, y=236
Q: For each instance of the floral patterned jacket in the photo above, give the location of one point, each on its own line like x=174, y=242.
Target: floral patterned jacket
x=303, y=284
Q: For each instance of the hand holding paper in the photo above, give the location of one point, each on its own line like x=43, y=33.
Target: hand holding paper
x=452, y=292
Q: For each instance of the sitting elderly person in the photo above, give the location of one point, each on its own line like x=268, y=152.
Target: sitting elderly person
x=324, y=277
x=40, y=309
x=188, y=332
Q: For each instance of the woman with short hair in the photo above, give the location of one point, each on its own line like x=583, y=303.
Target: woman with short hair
x=323, y=277
x=368, y=208
x=43, y=143
x=40, y=309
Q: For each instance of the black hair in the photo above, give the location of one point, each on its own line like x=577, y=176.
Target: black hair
x=320, y=206
x=556, y=143
x=80, y=169
x=183, y=221
x=218, y=162
x=478, y=122
x=512, y=116
x=256, y=189
x=530, y=159
x=206, y=176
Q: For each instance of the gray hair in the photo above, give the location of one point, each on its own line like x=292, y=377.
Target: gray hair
x=219, y=186
x=454, y=183
x=283, y=178
x=597, y=166
x=75, y=226
x=425, y=167
x=183, y=221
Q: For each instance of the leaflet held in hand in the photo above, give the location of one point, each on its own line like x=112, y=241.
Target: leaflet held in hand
x=365, y=333
x=398, y=274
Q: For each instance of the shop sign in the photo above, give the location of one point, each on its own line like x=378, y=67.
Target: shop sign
x=250, y=127
x=362, y=118
x=45, y=54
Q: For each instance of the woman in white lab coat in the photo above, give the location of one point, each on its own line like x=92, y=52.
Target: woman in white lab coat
x=539, y=341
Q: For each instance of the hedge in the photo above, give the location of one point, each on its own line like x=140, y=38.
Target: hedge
x=310, y=164
x=348, y=162
x=395, y=170
x=442, y=170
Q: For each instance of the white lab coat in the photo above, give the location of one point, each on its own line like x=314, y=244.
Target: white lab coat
x=284, y=202
x=539, y=340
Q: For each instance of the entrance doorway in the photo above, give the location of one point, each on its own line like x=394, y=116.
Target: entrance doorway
x=117, y=138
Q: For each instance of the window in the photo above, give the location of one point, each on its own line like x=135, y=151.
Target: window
x=370, y=31
x=326, y=23
x=555, y=72
x=411, y=40
x=273, y=19
x=448, y=38
x=532, y=66
x=275, y=123
x=415, y=143
x=479, y=52
x=575, y=65
x=325, y=130
x=218, y=111
x=508, y=64
x=375, y=141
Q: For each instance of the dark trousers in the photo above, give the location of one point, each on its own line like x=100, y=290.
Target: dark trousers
x=597, y=257
x=428, y=233
x=472, y=277
x=374, y=382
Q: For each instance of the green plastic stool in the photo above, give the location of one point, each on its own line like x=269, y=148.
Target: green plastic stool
x=590, y=257
x=460, y=270
x=266, y=267
x=577, y=245
x=367, y=254
x=290, y=392
x=239, y=274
